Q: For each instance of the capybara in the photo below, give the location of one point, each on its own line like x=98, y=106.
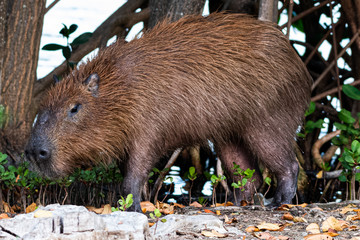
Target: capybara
x=227, y=78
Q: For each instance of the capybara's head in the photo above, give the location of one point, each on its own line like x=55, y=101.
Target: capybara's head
x=71, y=128
x=62, y=127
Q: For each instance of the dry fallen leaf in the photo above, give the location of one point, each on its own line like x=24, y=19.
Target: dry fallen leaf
x=251, y=229
x=3, y=216
x=208, y=211
x=230, y=221
x=353, y=228
x=42, y=214
x=287, y=216
x=313, y=228
x=346, y=209
x=299, y=219
x=151, y=224
x=7, y=208
x=292, y=205
x=321, y=236
x=147, y=206
x=31, y=208
x=196, y=204
x=264, y=235
x=107, y=209
x=166, y=208
x=95, y=210
x=218, y=212
x=320, y=174
x=178, y=205
x=269, y=226
x=213, y=233
x=333, y=223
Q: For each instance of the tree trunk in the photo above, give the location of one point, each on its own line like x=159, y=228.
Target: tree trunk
x=21, y=24
x=173, y=9
x=268, y=10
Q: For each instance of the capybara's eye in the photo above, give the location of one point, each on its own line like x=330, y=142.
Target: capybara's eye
x=74, y=109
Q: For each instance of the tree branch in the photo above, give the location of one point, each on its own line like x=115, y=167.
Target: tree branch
x=123, y=18
x=51, y=5
x=331, y=91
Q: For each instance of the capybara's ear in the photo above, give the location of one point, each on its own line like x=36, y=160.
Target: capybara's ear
x=92, y=83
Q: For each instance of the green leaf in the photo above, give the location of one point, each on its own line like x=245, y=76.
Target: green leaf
x=344, y=140
x=267, y=180
x=311, y=109
x=64, y=31
x=235, y=185
x=355, y=146
x=83, y=38
x=2, y=115
x=157, y=212
x=163, y=220
x=342, y=178
x=346, y=117
x=129, y=200
x=244, y=181
x=299, y=25
x=52, y=47
x=72, y=28
x=66, y=52
x=191, y=171
x=301, y=135
x=214, y=178
x=351, y=92
x=3, y=157
x=357, y=177
x=340, y=126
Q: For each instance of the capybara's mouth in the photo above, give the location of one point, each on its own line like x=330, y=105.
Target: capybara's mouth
x=43, y=169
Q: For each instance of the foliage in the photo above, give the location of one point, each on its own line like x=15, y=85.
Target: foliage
x=22, y=186
x=245, y=176
x=124, y=203
x=2, y=115
x=156, y=215
x=69, y=47
x=192, y=176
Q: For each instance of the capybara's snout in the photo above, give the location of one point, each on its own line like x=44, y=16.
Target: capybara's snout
x=38, y=150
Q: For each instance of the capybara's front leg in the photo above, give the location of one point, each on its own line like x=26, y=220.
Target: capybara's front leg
x=137, y=171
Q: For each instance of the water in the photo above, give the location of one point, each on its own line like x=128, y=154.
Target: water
x=87, y=14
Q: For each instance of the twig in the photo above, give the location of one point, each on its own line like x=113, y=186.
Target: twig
x=304, y=13
x=335, y=53
x=158, y=182
x=316, y=48
x=291, y=6
x=331, y=65
x=51, y=5
x=332, y=91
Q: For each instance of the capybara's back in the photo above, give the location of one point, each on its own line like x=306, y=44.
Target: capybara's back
x=227, y=78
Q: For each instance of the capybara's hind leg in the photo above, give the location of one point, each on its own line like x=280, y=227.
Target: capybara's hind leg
x=286, y=177
x=231, y=153
x=276, y=152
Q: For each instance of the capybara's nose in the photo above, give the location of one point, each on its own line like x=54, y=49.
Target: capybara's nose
x=43, y=154
x=37, y=153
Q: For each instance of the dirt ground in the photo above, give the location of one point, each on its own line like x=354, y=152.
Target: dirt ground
x=324, y=221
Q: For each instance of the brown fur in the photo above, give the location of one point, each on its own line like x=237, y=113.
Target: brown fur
x=228, y=78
